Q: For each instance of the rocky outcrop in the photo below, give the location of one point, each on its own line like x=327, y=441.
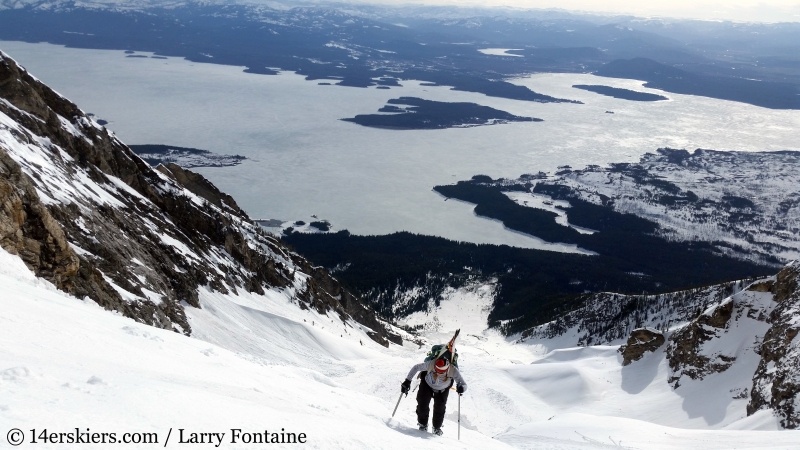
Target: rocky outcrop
x=198, y=185
x=786, y=283
x=776, y=382
x=27, y=229
x=685, y=352
x=88, y=214
x=642, y=340
x=751, y=333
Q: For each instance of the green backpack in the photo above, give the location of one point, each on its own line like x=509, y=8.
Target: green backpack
x=440, y=350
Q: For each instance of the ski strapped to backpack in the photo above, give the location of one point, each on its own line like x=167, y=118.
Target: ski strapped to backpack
x=448, y=351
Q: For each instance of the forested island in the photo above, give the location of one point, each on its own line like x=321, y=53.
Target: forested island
x=411, y=113
x=625, y=94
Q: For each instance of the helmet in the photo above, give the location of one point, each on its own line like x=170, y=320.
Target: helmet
x=441, y=365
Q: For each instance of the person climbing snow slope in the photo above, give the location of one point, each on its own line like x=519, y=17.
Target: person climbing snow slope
x=437, y=376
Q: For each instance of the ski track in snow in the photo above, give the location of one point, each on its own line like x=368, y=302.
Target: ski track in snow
x=260, y=362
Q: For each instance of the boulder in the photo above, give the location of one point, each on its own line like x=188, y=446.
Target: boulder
x=641, y=341
x=685, y=351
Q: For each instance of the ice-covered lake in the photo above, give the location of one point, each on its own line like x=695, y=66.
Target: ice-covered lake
x=304, y=161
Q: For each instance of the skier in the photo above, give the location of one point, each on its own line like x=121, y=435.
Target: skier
x=437, y=376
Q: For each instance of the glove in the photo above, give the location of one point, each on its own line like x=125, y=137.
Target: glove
x=405, y=387
x=460, y=389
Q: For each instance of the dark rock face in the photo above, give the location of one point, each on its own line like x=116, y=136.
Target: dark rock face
x=642, y=340
x=764, y=286
x=89, y=215
x=776, y=383
x=27, y=229
x=786, y=283
x=200, y=186
x=685, y=351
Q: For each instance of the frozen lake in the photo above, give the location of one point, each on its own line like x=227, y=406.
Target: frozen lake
x=305, y=161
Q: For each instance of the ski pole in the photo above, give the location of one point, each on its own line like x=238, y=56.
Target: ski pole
x=459, y=417
x=398, y=404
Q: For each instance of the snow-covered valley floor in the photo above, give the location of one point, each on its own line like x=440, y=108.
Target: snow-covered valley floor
x=260, y=363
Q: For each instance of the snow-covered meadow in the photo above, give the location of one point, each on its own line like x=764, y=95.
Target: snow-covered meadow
x=303, y=160
x=260, y=363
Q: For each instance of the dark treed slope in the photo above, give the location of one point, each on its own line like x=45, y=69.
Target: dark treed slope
x=671, y=79
x=534, y=286
x=625, y=94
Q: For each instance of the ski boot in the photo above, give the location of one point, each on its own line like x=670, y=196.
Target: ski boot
x=422, y=427
x=438, y=431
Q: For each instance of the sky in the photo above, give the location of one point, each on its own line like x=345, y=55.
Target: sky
x=735, y=10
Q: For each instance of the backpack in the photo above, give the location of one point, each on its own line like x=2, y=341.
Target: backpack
x=440, y=350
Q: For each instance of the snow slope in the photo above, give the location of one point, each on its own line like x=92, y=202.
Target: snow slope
x=259, y=362
x=66, y=363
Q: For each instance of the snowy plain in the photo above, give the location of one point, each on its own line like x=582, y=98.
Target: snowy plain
x=304, y=161
x=261, y=363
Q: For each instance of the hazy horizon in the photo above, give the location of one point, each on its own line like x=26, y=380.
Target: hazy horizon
x=734, y=10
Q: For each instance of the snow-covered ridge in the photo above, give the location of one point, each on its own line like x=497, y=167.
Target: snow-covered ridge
x=608, y=318
x=99, y=222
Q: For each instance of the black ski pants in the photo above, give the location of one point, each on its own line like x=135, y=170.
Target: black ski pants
x=424, y=395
